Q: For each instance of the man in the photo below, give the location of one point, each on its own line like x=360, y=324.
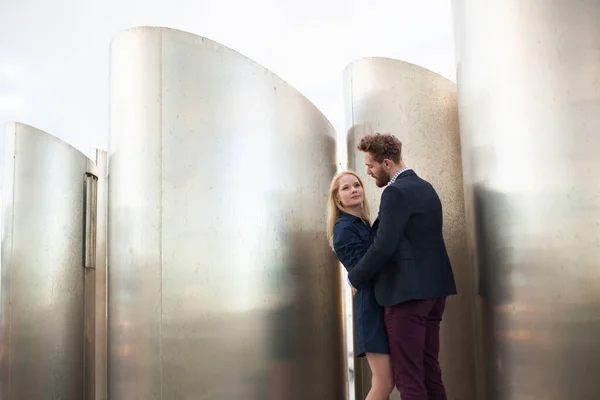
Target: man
x=409, y=266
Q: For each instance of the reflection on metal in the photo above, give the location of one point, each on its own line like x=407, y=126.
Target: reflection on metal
x=95, y=278
x=89, y=243
x=420, y=108
x=89, y=263
x=42, y=320
x=530, y=116
x=100, y=278
x=221, y=283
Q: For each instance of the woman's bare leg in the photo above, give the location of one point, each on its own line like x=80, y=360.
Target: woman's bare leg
x=382, y=383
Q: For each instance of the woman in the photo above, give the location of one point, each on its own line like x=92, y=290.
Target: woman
x=348, y=230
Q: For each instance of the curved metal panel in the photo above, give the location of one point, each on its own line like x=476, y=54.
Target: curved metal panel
x=41, y=336
x=530, y=116
x=221, y=283
x=420, y=108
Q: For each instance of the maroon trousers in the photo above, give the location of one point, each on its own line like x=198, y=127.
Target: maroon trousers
x=414, y=337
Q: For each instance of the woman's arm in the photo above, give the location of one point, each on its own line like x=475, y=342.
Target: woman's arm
x=348, y=245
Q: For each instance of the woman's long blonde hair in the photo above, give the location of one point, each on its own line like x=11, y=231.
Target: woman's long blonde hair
x=334, y=209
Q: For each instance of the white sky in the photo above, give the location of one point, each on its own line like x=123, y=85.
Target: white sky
x=54, y=55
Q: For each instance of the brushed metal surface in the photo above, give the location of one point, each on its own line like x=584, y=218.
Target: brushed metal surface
x=221, y=282
x=528, y=76
x=420, y=108
x=42, y=334
x=100, y=377
x=89, y=288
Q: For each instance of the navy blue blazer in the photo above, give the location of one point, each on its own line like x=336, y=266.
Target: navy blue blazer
x=407, y=259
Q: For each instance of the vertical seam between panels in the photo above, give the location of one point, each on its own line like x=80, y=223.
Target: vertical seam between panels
x=160, y=118
x=12, y=246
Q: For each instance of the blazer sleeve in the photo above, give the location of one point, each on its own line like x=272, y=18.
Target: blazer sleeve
x=394, y=214
x=348, y=245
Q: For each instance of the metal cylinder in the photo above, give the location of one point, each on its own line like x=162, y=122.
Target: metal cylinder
x=420, y=108
x=221, y=282
x=530, y=116
x=45, y=252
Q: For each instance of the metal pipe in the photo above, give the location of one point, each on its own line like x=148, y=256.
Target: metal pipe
x=42, y=282
x=221, y=282
x=420, y=108
x=530, y=115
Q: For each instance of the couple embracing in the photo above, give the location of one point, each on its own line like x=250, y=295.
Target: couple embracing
x=399, y=270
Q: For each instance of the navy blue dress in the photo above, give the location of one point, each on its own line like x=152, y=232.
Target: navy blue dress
x=350, y=242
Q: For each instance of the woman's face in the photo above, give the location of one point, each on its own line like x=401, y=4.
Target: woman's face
x=350, y=192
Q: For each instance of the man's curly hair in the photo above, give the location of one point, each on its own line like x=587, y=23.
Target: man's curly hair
x=382, y=146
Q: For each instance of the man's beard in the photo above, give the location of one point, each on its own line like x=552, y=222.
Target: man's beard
x=382, y=180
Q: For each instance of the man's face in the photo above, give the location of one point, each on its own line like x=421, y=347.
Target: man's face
x=376, y=170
